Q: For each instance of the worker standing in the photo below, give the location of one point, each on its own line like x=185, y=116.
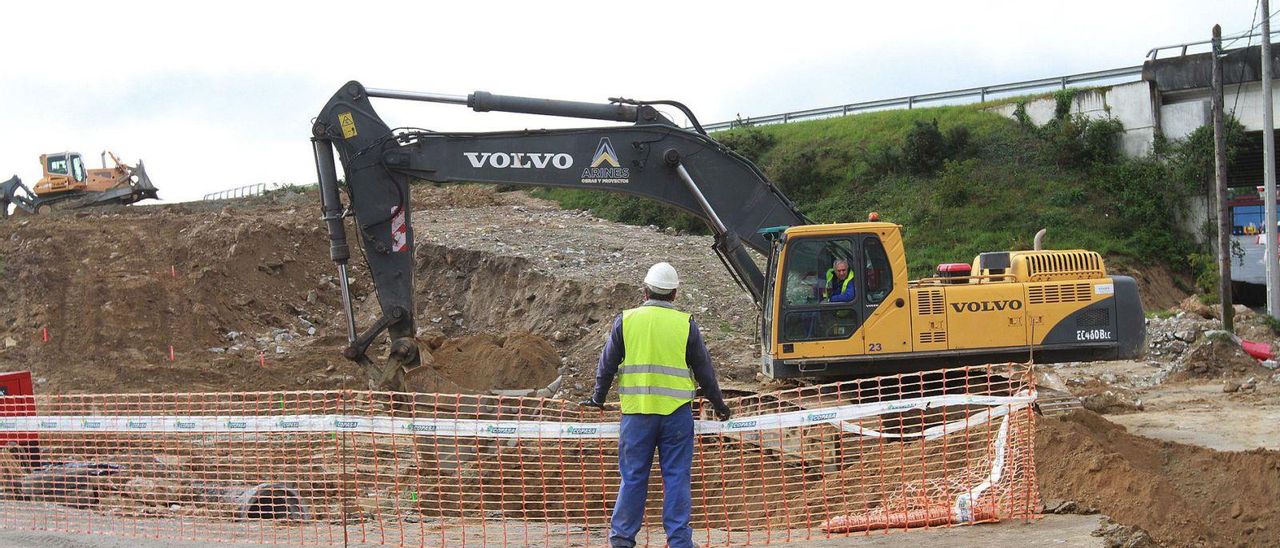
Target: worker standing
x=656, y=352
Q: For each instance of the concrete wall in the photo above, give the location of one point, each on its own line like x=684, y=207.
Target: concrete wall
x=1130, y=103
x=1186, y=111
x=1178, y=120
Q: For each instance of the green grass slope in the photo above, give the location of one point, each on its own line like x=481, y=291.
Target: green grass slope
x=962, y=180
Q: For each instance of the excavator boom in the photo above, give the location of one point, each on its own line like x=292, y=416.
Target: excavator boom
x=652, y=158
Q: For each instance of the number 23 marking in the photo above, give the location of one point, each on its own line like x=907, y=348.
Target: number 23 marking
x=873, y=347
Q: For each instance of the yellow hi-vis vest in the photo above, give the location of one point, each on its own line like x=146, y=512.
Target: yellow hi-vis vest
x=831, y=275
x=654, y=378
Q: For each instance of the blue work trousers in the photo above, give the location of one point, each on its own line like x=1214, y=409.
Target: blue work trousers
x=672, y=436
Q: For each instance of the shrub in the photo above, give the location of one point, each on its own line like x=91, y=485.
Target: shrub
x=1067, y=197
x=748, y=141
x=924, y=149
x=955, y=187
x=810, y=171
x=1100, y=140
x=1079, y=141
x=1062, y=103
x=883, y=160
x=1020, y=114
x=1205, y=268
x=958, y=143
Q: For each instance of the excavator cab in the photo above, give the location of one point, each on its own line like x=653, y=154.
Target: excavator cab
x=830, y=287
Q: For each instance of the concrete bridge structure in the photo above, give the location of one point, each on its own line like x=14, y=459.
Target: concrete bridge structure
x=1172, y=99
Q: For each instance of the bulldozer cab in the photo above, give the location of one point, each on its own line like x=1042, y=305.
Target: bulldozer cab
x=62, y=172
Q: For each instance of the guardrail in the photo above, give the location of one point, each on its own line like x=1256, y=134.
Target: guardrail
x=239, y=192
x=910, y=101
x=1154, y=53
x=1060, y=82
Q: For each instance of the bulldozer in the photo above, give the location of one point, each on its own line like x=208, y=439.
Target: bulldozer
x=67, y=184
x=1057, y=305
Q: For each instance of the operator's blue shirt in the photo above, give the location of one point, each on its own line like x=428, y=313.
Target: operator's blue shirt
x=847, y=296
x=695, y=356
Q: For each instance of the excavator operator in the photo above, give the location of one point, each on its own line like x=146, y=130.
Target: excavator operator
x=840, y=287
x=656, y=352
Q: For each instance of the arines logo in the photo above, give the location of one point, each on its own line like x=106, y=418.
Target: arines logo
x=987, y=306
x=606, y=168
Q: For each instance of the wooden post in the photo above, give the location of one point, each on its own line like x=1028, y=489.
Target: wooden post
x=1220, y=163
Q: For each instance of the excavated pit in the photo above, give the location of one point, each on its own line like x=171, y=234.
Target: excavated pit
x=490, y=322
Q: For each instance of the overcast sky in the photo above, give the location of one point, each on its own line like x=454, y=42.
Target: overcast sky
x=214, y=95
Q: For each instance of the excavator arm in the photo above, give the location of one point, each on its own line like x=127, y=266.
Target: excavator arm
x=652, y=158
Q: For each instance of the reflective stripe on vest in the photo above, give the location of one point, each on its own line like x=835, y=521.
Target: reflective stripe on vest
x=831, y=275
x=654, y=378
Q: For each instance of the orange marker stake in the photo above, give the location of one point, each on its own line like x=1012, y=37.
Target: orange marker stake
x=44, y=334
x=171, y=352
x=173, y=270
x=262, y=359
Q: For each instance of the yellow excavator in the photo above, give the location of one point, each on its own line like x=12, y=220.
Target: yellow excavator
x=1057, y=305
x=68, y=184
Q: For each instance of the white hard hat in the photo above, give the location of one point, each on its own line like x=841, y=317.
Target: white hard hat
x=662, y=277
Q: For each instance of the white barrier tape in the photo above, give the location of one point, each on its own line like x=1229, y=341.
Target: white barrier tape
x=935, y=432
x=224, y=424
x=964, y=503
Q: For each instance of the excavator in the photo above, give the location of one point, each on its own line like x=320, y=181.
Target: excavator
x=67, y=184
x=1056, y=305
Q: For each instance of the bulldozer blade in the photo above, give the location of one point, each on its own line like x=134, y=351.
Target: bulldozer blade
x=142, y=187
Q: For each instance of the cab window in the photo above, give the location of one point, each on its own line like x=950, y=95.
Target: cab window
x=58, y=165
x=77, y=168
x=877, y=275
x=810, y=264
x=809, y=277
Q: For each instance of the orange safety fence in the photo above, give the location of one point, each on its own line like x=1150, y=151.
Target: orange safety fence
x=334, y=467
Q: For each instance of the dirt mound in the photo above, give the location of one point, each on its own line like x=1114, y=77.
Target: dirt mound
x=1182, y=495
x=1158, y=287
x=464, y=196
x=1218, y=357
x=488, y=362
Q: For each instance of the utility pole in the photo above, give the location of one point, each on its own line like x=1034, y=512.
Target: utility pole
x=1269, y=169
x=1220, y=164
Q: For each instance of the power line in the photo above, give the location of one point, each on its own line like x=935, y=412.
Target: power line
x=1240, y=84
